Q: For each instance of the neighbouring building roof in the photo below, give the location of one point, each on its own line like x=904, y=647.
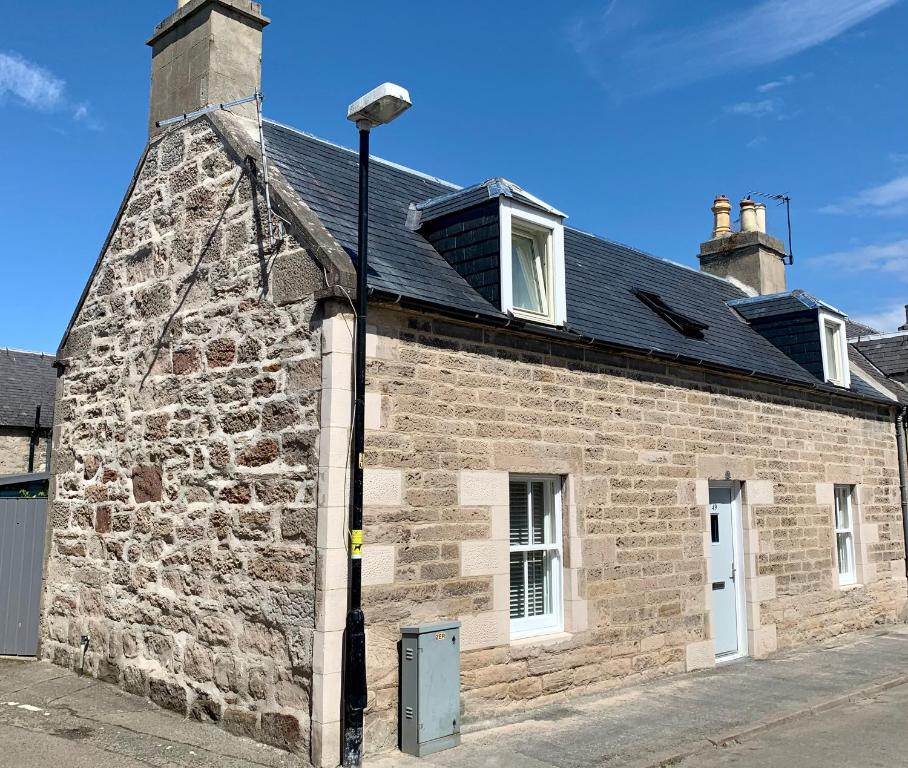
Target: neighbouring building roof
x=875, y=377
x=887, y=351
x=27, y=379
x=856, y=330
x=603, y=277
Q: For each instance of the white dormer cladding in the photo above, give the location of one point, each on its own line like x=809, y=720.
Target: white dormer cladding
x=834, y=344
x=532, y=262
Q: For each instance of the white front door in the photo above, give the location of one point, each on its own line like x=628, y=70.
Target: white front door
x=726, y=571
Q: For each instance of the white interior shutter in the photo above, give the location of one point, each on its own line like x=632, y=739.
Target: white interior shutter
x=536, y=602
x=520, y=523
x=518, y=591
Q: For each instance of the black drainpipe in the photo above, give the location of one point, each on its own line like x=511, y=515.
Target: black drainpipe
x=33, y=440
x=900, y=425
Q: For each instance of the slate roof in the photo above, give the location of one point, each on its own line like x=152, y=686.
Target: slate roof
x=777, y=304
x=602, y=276
x=874, y=375
x=888, y=352
x=460, y=199
x=27, y=379
x=855, y=329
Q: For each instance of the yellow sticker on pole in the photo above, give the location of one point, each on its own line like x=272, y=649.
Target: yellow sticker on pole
x=356, y=544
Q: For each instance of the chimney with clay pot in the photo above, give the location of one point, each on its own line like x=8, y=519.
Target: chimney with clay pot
x=751, y=259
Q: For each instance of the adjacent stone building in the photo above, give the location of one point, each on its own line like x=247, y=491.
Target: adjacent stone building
x=27, y=384
x=605, y=465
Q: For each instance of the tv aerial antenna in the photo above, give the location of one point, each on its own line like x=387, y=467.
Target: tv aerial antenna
x=786, y=201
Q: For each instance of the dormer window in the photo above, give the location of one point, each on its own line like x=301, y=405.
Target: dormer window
x=835, y=353
x=532, y=279
x=505, y=243
x=530, y=273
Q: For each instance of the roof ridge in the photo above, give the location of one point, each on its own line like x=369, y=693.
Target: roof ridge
x=373, y=158
x=878, y=336
x=51, y=355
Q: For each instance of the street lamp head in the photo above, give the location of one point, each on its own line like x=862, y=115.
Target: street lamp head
x=381, y=105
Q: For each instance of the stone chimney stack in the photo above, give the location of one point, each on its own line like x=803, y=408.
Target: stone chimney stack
x=905, y=326
x=752, y=259
x=207, y=52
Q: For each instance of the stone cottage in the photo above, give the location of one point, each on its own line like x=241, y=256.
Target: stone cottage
x=607, y=466
x=27, y=384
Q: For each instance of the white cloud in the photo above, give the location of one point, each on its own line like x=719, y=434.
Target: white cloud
x=753, y=108
x=627, y=49
x=886, y=320
x=33, y=85
x=774, y=84
x=887, y=258
x=889, y=199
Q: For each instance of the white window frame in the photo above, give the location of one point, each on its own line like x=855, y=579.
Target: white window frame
x=850, y=576
x=841, y=353
x=549, y=623
x=547, y=230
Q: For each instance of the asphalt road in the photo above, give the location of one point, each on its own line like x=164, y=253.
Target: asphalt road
x=867, y=733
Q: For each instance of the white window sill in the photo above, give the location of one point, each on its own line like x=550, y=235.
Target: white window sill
x=551, y=638
x=533, y=317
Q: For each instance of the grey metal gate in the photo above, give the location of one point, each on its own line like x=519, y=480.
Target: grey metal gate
x=23, y=523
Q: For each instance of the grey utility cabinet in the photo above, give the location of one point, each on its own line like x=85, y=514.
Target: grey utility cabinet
x=430, y=687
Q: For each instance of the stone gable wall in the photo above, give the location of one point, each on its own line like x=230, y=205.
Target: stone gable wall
x=452, y=409
x=183, y=515
x=14, y=442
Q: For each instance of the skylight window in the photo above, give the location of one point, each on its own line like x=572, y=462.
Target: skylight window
x=693, y=329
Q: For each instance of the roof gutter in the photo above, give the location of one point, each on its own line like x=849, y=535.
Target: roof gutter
x=572, y=337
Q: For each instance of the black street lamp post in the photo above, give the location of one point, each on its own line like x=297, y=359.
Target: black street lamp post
x=377, y=107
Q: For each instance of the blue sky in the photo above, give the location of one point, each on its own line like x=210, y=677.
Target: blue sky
x=630, y=115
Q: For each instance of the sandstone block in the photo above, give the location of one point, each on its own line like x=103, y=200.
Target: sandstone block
x=382, y=487
x=283, y=731
x=759, y=492
x=146, y=483
x=483, y=558
x=259, y=453
x=221, y=353
x=484, y=630
x=240, y=722
x=378, y=564
x=480, y=488
x=168, y=694
x=700, y=655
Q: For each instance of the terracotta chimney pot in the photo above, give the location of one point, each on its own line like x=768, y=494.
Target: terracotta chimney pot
x=748, y=215
x=761, y=217
x=721, y=217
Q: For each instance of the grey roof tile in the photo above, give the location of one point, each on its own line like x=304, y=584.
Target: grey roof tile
x=27, y=379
